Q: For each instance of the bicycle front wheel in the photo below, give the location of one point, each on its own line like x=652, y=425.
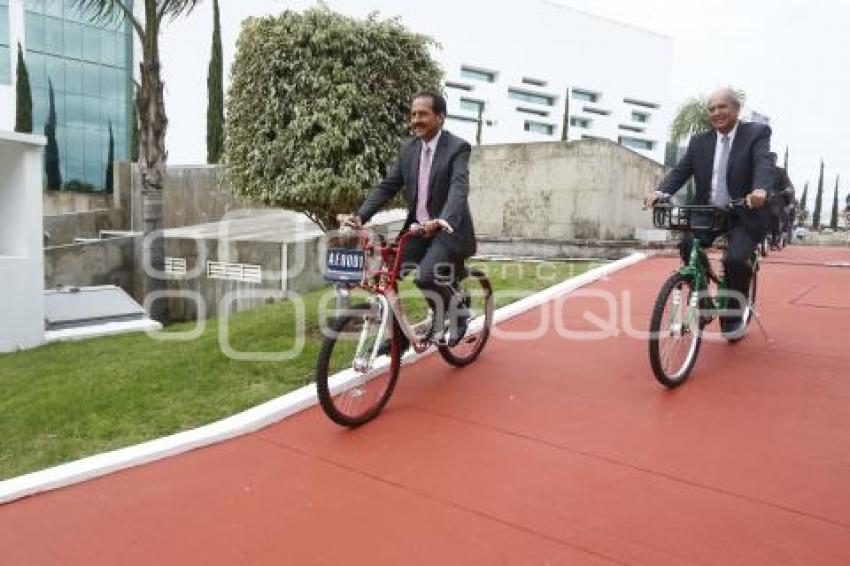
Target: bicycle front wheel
x=675, y=332
x=352, y=386
x=476, y=296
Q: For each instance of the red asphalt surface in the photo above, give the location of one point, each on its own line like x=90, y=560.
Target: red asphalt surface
x=549, y=451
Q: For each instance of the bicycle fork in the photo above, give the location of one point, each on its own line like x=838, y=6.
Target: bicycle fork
x=378, y=315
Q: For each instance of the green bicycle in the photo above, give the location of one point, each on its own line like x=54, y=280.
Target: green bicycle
x=687, y=303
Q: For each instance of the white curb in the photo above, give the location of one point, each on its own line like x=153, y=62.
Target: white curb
x=251, y=420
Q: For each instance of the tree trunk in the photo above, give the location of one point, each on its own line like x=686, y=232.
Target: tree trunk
x=152, y=163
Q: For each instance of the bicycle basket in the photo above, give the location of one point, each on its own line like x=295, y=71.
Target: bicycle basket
x=689, y=217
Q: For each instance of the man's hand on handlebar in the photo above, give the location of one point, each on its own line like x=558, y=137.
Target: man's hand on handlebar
x=349, y=221
x=757, y=198
x=653, y=198
x=430, y=228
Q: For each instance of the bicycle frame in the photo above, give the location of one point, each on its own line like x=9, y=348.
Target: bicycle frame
x=382, y=286
x=701, y=277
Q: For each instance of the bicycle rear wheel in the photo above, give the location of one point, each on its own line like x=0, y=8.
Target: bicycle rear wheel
x=675, y=332
x=477, y=294
x=352, y=388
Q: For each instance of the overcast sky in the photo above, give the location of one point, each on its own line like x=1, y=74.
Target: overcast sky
x=789, y=56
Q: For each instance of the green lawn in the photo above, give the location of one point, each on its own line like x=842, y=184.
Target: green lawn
x=64, y=401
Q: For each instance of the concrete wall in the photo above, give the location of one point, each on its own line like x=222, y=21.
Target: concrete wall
x=21, y=290
x=584, y=190
x=192, y=195
x=61, y=229
x=102, y=262
x=66, y=202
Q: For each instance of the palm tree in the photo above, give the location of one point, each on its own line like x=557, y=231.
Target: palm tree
x=692, y=118
x=152, y=120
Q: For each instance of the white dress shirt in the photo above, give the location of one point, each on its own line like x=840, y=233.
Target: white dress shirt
x=717, y=148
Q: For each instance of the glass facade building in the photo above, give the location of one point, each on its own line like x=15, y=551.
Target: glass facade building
x=89, y=66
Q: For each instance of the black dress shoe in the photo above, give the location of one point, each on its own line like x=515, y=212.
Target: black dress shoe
x=734, y=330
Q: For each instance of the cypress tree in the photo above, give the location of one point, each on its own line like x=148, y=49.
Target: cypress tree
x=480, y=124
x=818, y=200
x=51, y=152
x=215, y=93
x=110, y=157
x=833, y=221
x=23, y=107
x=565, y=128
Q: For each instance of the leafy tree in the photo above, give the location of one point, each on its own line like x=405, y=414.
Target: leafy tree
x=152, y=122
x=51, y=152
x=23, y=95
x=818, y=200
x=110, y=157
x=692, y=118
x=215, y=94
x=833, y=221
x=785, y=162
x=317, y=106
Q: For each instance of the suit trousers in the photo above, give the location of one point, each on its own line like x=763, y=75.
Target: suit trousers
x=436, y=269
x=737, y=264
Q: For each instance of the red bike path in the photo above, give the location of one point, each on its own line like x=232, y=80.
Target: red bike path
x=545, y=451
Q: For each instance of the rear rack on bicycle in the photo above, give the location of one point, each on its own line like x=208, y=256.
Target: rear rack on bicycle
x=689, y=217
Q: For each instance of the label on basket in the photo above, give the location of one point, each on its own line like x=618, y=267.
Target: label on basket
x=344, y=265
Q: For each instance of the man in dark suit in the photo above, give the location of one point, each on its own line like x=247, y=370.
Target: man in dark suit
x=727, y=163
x=780, y=203
x=433, y=168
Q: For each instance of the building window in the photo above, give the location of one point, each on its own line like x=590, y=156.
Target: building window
x=641, y=117
x=525, y=96
x=532, y=111
x=462, y=118
x=585, y=95
x=5, y=51
x=637, y=143
x=631, y=128
x=596, y=111
x=458, y=86
x=477, y=74
x=643, y=103
x=580, y=122
x=471, y=105
x=539, y=128
x=533, y=82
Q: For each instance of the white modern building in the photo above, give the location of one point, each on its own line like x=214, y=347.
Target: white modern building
x=521, y=62
x=21, y=258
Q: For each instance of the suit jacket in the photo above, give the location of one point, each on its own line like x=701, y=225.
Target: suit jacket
x=748, y=168
x=783, y=188
x=447, y=193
